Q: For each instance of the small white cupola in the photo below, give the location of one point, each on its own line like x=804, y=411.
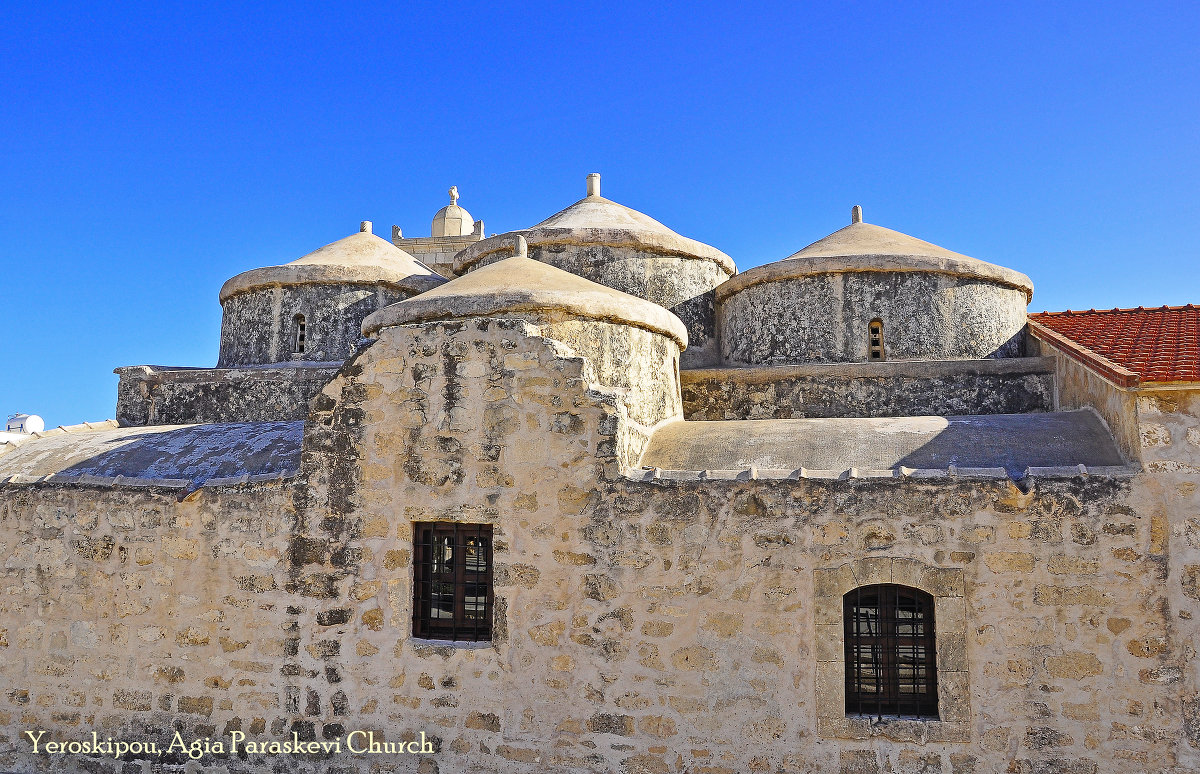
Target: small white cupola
x=452, y=220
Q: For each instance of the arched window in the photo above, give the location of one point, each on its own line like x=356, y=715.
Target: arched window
x=301, y=333
x=890, y=654
x=875, y=340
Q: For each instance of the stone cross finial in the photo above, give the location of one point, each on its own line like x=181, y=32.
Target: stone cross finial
x=365, y=227
x=593, y=184
x=856, y=214
x=520, y=247
x=453, y=194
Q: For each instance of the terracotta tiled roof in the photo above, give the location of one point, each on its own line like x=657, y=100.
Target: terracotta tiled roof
x=1159, y=345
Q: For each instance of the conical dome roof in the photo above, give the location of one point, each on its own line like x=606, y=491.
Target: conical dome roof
x=359, y=259
x=522, y=285
x=596, y=220
x=865, y=247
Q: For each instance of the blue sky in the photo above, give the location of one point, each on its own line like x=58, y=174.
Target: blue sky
x=150, y=152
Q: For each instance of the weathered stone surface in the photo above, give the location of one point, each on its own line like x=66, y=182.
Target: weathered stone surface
x=149, y=395
x=641, y=623
x=824, y=318
x=888, y=389
x=261, y=326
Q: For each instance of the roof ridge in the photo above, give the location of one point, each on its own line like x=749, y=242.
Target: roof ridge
x=1163, y=308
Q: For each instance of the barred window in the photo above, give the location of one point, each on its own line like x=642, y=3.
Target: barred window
x=301, y=333
x=890, y=666
x=452, y=581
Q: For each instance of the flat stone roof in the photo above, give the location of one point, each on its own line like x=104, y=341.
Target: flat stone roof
x=1007, y=443
x=178, y=456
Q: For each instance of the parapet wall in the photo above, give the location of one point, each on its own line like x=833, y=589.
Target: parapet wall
x=149, y=395
x=888, y=389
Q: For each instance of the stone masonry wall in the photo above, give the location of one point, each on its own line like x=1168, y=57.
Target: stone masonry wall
x=888, y=389
x=130, y=613
x=825, y=317
x=642, y=624
x=150, y=396
x=258, y=326
x=1169, y=434
x=669, y=626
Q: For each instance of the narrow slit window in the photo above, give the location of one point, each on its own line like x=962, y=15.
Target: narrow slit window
x=301, y=333
x=890, y=653
x=452, y=581
x=875, y=340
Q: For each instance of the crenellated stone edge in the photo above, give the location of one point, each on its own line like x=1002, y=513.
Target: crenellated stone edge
x=754, y=473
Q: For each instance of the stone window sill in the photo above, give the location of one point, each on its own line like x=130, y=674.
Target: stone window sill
x=421, y=642
x=918, y=730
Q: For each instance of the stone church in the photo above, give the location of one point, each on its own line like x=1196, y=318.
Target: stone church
x=585, y=498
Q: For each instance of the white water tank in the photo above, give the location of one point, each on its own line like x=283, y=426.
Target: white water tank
x=25, y=423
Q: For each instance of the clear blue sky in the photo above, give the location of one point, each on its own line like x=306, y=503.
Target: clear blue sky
x=150, y=152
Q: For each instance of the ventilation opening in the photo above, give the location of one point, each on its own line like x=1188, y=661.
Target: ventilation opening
x=875, y=340
x=301, y=334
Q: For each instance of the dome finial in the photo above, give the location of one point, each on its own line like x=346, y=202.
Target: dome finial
x=520, y=247
x=365, y=227
x=856, y=214
x=453, y=194
x=593, y=184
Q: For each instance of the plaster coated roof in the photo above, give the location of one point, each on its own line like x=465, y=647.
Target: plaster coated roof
x=521, y=284
x=596, y=220
x=1013, y=442
x=1159, y=345
x=170, y=455
x=862, y=247
x=359, y=259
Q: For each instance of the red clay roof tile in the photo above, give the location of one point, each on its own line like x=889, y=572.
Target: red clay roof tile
x=1159, y=345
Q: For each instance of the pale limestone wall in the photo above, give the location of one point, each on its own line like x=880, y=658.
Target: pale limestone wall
x=642, y=625
x=1169, y=424
x=126, y=611
x=1077, y=386
x=670, y=626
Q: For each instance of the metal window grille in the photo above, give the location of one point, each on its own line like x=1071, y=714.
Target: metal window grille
x=890, y=656
x=875, y=339
x=452, y=581
x=301, y=333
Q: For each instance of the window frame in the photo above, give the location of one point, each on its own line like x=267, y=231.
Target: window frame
x=299, y=334
x=947, y=585
x=426, y=558
x=876, y=352
x=887, y=647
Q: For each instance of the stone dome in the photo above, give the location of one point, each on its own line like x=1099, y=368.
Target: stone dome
x=629, y=343
x=621, y=248
x=865, y=247
x=312, y=309
x=452, y=220
x=360, y=258
x=870, y=293
x=521, y=285
x=596, y=220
